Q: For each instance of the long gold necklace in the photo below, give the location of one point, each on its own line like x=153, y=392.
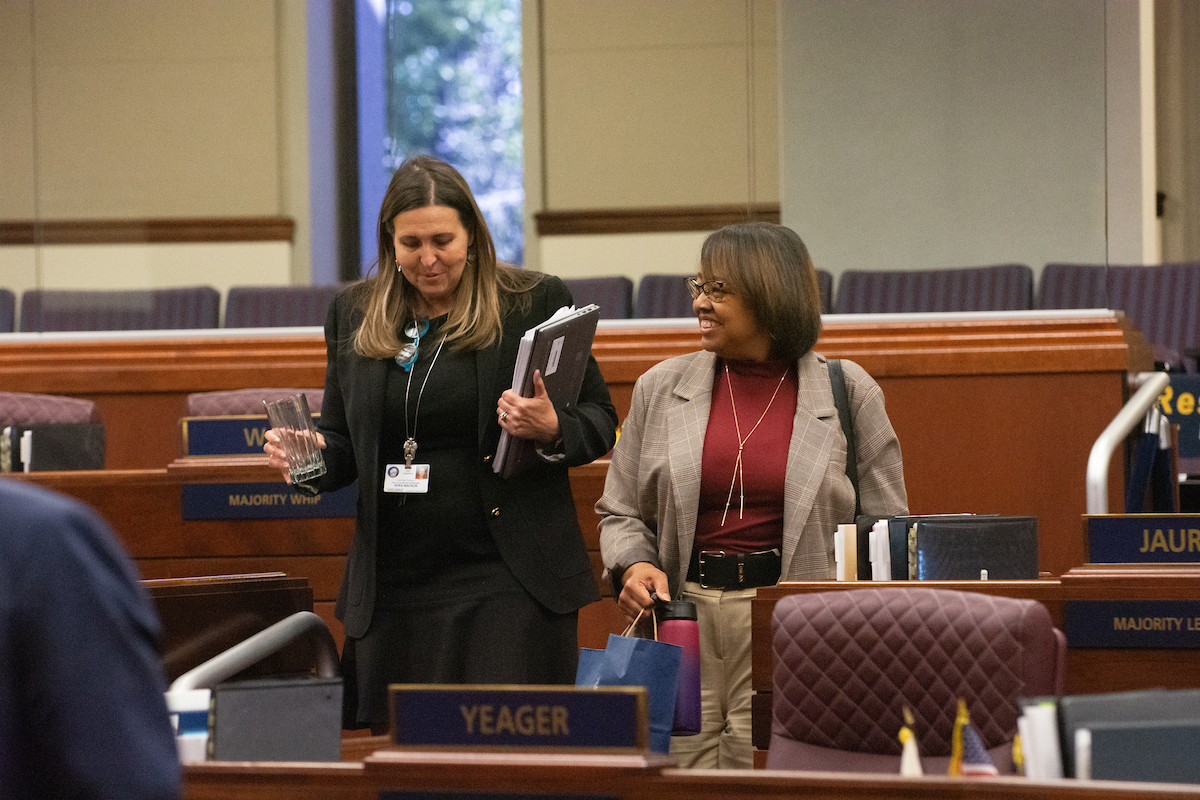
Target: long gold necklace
x=737, y=465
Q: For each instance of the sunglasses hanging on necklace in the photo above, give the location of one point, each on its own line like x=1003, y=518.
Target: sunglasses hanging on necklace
x=408, y=353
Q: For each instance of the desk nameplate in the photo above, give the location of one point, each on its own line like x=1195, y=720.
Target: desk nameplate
x=270, y=500
x=1143, y=538
x=1150, y=624
x=534, y=718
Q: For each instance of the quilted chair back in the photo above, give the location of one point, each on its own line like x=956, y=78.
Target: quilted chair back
x=1005, y=287
x=663, y=296
x=848, y=662
x=21, y=408
x=277, y=306
x=243, y=402
x=613, y=294
x=119, y=309
x=8, y=311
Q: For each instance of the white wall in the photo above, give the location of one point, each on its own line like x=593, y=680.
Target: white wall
x=925, y=135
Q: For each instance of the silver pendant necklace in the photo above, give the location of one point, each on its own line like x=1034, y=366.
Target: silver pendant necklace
x=410, y=443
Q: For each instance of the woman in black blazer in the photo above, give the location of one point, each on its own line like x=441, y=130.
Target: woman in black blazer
x=454, y=575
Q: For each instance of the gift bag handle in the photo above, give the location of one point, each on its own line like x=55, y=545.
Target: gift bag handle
x=633, y=624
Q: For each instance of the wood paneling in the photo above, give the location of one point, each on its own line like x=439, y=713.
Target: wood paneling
x=147, y=231
x=994, y=414
x=651, y=220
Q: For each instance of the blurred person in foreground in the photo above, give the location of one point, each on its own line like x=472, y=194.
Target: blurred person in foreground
x=454, y=575
x=734, y=456
x=82, y=709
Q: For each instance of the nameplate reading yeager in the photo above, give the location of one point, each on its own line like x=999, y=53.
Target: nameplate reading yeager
x=553, y=718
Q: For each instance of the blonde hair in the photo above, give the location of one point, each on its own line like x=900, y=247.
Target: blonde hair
x=768, y=267
x=488, y=287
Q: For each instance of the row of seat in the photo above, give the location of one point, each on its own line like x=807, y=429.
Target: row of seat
x=165, y=309
x=1163, y=300
x=658, y=295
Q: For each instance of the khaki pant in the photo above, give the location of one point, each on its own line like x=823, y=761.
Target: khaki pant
x=724, y=738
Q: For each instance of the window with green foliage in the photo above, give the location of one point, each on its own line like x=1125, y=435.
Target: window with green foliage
x=453, y=83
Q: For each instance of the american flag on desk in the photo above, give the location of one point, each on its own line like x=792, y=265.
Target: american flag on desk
x=968, y=756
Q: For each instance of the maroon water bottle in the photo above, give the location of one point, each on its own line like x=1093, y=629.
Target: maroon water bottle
x=677, y=625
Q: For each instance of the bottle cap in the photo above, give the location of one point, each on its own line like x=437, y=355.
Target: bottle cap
x=680, y=609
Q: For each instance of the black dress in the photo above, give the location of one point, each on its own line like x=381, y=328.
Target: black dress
x=448, y=609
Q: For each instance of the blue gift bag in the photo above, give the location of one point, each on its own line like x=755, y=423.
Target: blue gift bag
x=630, y=661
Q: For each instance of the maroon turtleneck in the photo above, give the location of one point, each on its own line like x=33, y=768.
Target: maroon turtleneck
x=764, y=457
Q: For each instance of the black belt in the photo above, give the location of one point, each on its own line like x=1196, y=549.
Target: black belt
x=716, y=569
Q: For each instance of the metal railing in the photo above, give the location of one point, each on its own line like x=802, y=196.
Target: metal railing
x=259, y=646
x=1150, y=386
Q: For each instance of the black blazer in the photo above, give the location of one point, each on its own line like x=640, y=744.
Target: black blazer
x=532, y=517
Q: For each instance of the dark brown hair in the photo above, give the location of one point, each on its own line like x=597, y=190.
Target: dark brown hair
x=768, y=267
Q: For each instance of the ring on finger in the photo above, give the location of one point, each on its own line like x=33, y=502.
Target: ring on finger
x=503, y=416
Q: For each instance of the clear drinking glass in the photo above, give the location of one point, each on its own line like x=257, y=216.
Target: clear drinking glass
x=291, y=419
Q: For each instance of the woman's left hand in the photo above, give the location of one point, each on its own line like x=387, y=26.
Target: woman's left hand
x=529, y=417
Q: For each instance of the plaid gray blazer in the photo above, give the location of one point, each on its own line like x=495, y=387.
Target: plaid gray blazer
x=652, y=491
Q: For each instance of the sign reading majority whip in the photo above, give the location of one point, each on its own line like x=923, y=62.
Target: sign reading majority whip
x=263, y=501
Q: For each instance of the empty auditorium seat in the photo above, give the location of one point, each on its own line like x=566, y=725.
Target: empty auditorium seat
x=613, y=294
x=1161, y=300
x=825, y=287
x=277, y=306
x=1005, y=287
x=119, y=309
x=663, y=296
x=1073, y=286
x=8, y=311
x=240, y=402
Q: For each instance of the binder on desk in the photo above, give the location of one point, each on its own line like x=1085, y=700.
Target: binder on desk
x=973, y=547
x=559, y=348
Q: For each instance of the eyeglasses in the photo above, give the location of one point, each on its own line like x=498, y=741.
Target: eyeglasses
x=715, y=290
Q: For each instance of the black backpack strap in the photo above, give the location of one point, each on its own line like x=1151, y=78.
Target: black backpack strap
x=837, y=380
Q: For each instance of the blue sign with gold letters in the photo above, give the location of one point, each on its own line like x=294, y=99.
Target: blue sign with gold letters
x=1143, y=538
x=1179, y=403
x=264, y=501
x=1132, y=623
x=526, y=717
x=225, y=436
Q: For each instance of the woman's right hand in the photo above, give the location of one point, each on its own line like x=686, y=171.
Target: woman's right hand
x=275, y=456
x=639, y=582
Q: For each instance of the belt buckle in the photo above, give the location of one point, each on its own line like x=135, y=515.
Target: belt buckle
x=700, y=566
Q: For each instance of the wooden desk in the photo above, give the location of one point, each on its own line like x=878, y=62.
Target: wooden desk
x=995, y=413
x=517, y=775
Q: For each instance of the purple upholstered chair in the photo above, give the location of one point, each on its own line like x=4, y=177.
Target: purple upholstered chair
x=614, y=294
x=21, y=408
x=1161, y=300
x=825, y=287
x=242, y=402
x=1004, y=287
x=663, y=296
x=277, y=306
x=1073, y=286
x=848, y=662
x=8, y=311
x=119, y=309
